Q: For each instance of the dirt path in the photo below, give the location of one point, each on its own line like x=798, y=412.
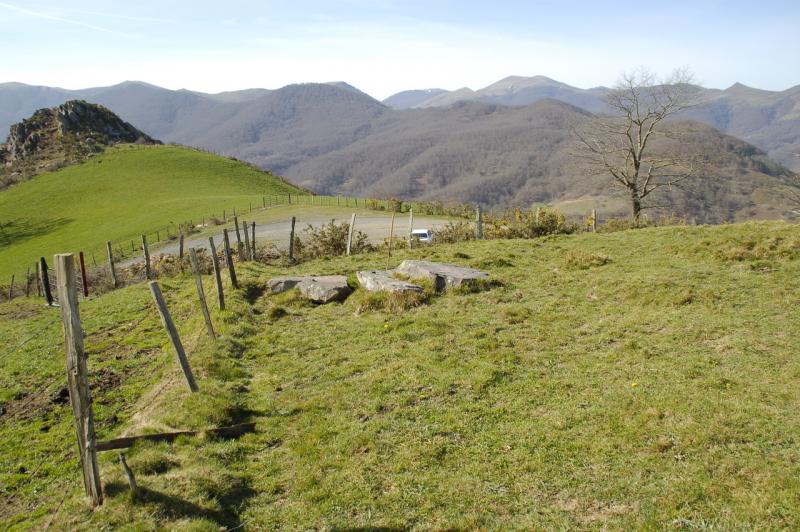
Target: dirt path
x=375, y=226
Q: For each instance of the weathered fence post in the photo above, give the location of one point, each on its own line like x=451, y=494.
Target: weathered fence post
x=238, y=236
x=253, y=254
x=111, y=264
x=46, y=282
x=77, y=376
x=11, y=287
x=350, y=233
x=172, y=332
x=478, y=223
x=128, y=476
x=180, y=247
x=246, y=241
x=391, y=237
x=594, y=220
x=410, y=227
x=28, y=282
x=38, y=280
x=290, y=199
x=291, y=241
x=217, y=273
x=83, y=275
x=147, y=270
x=229, y=259
x=201, y=295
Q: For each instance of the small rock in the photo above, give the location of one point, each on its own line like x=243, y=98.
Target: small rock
x=444, y=276
x=382, y=280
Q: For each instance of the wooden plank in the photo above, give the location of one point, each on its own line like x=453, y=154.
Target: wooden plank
x=201, y=295
x=350, y=232
x=229, y=259
x=147, y=270
x=77, y=376
x=222, y=432
x=217, y=274
x=110, y=252
x=172, y=332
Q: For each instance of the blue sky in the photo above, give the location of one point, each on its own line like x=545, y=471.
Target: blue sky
x=384, y=46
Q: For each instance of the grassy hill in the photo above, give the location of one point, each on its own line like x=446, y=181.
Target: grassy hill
x=634, y=380
x=118, y=196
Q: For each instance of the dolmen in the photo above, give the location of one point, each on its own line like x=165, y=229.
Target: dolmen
x=443, y=276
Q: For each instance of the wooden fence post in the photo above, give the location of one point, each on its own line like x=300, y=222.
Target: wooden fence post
x=253, y=254
x=201, y=295
x=246, y=241
x=391, y=237
x=77, y=376
x=172, y=332
x=38, y=280
x=11, y=287
x=111, y=264
x=45, y=282
x=83, y=275
x=180, y=247
x=147, y=269
x=217, y=273
x=28, y=282
x=229, y=259
x=594, y=220
x=238, y=236
x=410, y=227
x=478, y=223
x=291, y=242
x=350, y=232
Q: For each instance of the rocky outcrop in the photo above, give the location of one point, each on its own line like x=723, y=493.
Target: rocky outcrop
x=444, y=276
x=66, y=134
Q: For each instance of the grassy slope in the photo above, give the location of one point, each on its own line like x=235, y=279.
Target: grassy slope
x=656, y=389
x=118, y=196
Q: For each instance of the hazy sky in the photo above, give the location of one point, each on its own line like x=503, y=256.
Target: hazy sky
x=384, y=46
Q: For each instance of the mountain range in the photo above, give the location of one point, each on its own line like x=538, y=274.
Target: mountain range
x=506, y=144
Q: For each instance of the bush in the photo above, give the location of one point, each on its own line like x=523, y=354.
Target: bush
x=454, y=232
x=330, y=240
x=527, y=224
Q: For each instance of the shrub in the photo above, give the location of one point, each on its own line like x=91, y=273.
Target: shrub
x=527, y=224
x=454, y=232
x=330, y=240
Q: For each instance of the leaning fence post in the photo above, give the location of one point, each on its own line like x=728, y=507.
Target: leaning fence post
x=148, y=272
x=83, y=276
x=291, y=241
x=391, y=237
x=217, y=274
x=46, y=282
x=111, y=264
x=246, y=241
x=201, y=295
x=350, y=232
x=228, y=259
x=77, y=376
x=238, y=236
x=172, y=332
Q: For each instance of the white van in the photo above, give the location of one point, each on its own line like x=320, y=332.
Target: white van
x=423, y=235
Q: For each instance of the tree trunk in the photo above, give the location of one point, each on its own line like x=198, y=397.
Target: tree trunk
x=636, y=204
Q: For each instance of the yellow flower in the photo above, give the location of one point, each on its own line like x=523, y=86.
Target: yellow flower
x=634, y=384
x=385, y=325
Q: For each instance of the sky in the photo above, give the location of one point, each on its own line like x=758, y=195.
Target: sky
x=385, y=46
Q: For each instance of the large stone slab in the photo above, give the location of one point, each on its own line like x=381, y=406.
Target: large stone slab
x=444, y=276
x=318, y=288
x=283, y=284
x=325, y=288
x=382, y=281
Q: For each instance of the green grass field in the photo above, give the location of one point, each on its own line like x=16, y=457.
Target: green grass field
x=119, y=195
x=643, y=379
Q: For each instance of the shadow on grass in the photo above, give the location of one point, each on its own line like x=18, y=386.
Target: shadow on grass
x=20, y=230
x=171, y=507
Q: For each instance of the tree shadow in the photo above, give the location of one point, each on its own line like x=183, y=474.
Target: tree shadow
x=20, y=229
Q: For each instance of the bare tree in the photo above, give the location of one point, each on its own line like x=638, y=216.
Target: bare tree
x=621, y=144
